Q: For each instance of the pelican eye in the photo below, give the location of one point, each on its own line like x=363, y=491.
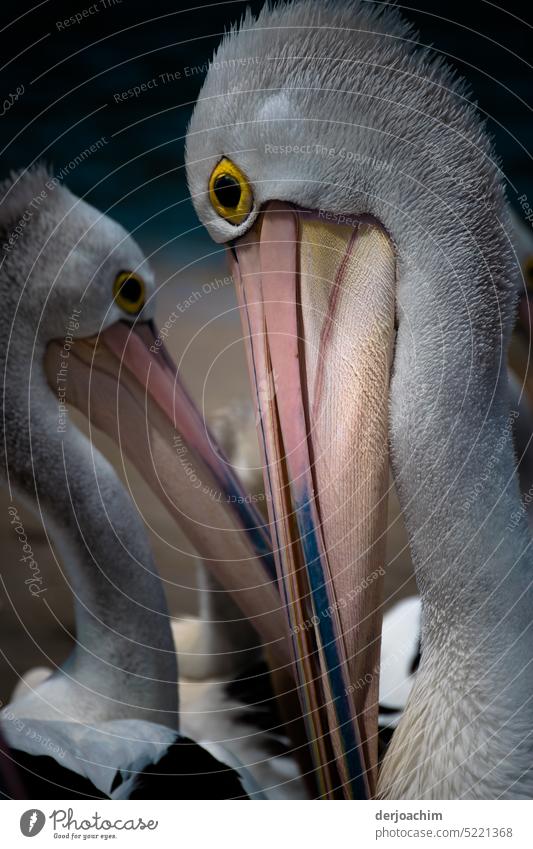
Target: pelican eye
x=227, y=191
x=528, y=274
x=230, y=192
x=128, y=292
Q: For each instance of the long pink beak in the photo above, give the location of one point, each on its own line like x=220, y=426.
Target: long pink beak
x=128, y=387
x=317, y=303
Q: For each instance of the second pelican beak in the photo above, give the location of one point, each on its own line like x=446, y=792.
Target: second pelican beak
x=127, y=386
x=318, y=304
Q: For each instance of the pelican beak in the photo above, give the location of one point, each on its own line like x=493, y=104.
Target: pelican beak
x=127, y=385
x=317, y=301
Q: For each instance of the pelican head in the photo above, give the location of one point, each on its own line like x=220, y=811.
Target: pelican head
x=78, y=301
x=357, y=192
x=76, y=329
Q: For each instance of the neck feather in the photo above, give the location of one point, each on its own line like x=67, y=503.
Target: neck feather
x=466, y=730
x=123, y=664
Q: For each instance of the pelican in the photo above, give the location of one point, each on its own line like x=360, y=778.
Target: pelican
x=107, y=722
x=357, y=192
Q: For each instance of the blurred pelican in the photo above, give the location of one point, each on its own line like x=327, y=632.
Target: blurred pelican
x=77, y=301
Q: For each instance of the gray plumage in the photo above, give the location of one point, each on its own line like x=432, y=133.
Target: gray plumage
x=111, y=709
x=400, y=140
x=61, y=255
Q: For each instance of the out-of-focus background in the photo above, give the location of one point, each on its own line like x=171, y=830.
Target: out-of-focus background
x=73, y=83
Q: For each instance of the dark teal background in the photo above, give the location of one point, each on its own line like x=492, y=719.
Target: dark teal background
x=132, y=42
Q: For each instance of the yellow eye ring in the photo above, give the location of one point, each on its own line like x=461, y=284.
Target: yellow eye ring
x=129, y=292
x=230, y=192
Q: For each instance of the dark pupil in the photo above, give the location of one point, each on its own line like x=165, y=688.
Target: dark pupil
x=227, y=191
x=131, y=290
